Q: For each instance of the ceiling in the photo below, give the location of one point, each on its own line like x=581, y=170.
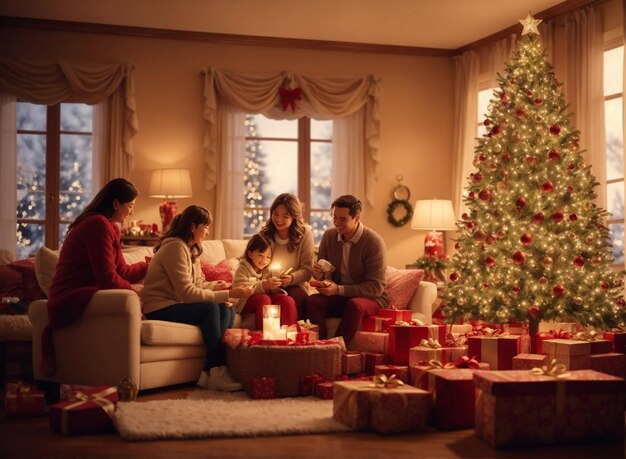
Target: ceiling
x=447, y=24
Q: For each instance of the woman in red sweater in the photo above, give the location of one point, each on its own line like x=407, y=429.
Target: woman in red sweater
x=90, y=260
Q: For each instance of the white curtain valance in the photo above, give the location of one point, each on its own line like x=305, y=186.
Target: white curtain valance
x=320, y=98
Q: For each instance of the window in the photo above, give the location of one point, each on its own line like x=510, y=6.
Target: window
x=284, y=156
x=613, y=93
x=484, y=97
x=54, y=172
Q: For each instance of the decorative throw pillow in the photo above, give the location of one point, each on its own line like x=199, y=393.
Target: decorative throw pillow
x=401, y=285
x=45, y=265
x=220, y=271
x=19, y=280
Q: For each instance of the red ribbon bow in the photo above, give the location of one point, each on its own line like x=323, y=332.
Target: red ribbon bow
x=467, y=362
x=288, y=97
x=561, y=334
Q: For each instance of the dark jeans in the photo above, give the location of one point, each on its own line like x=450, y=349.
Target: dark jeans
x=213, y=319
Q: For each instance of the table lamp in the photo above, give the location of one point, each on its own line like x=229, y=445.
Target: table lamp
x=169, y=184
x=434, y=215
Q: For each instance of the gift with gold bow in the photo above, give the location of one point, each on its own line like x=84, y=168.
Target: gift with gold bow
x=539, y=338
x=574, y=354
x=402, y=338
x=22, y=400
x=397, y=315
x=598, y=344
x=430, y=348
x=496, y=350
x=376, y=323
x=400, y=372
x=383, y=405
x=88, y=411
x=418, y=374
x=370, y=342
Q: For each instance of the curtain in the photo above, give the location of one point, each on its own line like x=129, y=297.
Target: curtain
x=319, y=98
x=8, y=173
x=499, y=55
x=466, y=67
x=584, y=87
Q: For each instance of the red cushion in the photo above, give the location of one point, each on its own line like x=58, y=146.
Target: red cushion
x=18, y=279
x=401, y=285
x=220, y=271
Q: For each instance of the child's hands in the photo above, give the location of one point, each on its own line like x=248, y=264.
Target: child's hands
x=222, y=285
x=271, y=283
x=286, y=279
x=241, y=292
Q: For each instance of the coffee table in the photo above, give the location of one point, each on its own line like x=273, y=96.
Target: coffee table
x=287, y=364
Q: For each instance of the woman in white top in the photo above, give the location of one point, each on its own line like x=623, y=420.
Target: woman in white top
x=293, y=247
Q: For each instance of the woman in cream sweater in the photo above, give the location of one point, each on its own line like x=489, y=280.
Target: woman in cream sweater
x=175, y=290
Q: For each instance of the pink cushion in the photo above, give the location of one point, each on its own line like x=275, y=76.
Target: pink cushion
x=216, y=272
x=401, y=285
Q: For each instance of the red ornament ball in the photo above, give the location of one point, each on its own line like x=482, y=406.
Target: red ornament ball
x=454, y=276
x=506, y=156
x=471, y=195
x=490, y=261
x=579, y=261
x=526, y=239
x=519, y=113
x=538, y=101
x=557, y=216
x=531, y=160
x=555, y=129
x=621, y=302
x=570, y=188
x=482, y=157
x=496, y=130
x=604, y=285
x=464, y=216
x=490, y=240
x=547, y=186
x=486, y=122
x=554, y=155
x=538, y=218
x=515, y=290
x=519, y=257
x=558, y=290
x=571, y=166
x=573, y=217
x=485, y=195
x=478, y=177
x=478, y=236
x=486, y=285
x=533, y=311
x=520, y=202
x=469, y=225
x=457, y=246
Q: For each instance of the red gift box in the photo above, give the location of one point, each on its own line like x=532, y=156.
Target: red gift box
x=401, y=372
x=397, y=315
x=263, y=388
x=376, y=323
x=307, y=384
x=539, y=338
x=497, y=351
x=365, y=406
x=529, y=361
x=574, y=354
x=352, y=362
x=612, y=363
x=90, y=411
x=618, y=338
x=324, y=390
x=443, y=354
x=454, y=399
x=402, y=338
x=584, y=406
x=233, y=337
x=21, y=401
x=370, y=342
x=371, y=359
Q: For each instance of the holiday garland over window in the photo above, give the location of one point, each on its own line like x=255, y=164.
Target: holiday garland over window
x=533, y=245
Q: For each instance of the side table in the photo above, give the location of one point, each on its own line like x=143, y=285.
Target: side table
x=140, y=240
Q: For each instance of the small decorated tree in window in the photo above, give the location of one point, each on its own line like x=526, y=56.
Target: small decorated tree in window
x=533, y=244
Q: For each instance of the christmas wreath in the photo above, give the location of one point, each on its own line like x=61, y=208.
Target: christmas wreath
x=393, y=205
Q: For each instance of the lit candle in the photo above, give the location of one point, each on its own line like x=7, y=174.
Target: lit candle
x=275, y=269
x=271, y=322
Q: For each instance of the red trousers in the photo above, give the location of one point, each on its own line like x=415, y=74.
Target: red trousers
x=255, y=302
x=299, y=297
x=351, y=310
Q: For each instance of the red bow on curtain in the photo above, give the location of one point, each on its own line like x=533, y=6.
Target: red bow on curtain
x=288, y=97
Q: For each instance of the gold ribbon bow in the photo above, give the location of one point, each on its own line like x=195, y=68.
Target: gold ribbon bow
x=390, y=382
x=586, y=335
x=554, y=369
x=435, y=364
x=306, y=324
x=430, y=342
x=81, y=398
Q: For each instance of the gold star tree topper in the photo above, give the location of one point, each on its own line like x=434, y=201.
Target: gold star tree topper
x=530, y=24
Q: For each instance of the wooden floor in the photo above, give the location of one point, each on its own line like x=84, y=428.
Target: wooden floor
x=32, y=438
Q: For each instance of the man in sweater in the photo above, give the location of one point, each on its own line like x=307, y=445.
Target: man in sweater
x=356, y=281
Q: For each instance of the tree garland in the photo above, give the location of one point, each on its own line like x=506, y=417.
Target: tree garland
x=392, y=207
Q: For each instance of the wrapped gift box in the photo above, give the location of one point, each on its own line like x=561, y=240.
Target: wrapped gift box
x=454, y=398
x=497, y=351
x=570, y=327
x=397, y=315
x=443, y=354
x=307, y=384
x=90, y=412
x=402, y=338
x=263, y=388
x=601, y=346
x=233, y=337
x=300, y=337
x=22, y=400
x=401, y=372
x=514, y=329
x=324, y=390
x=371, y=359
x=529, y=361
x=612, y=363
x=574, y=354
x=586, y=406
x=364, y=406
x=370, y=342
x=618, y=339
x=352, y=362
x=422, y=375
x=377, y=323
x=539, y=338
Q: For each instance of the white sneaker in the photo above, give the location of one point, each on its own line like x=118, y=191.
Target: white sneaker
x=203, y=380
x=220, y=379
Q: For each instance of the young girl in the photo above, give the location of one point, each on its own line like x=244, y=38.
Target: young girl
x=253, y=270
x=293, y=247
x=175, y=290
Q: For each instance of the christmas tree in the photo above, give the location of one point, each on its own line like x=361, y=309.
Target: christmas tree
x=533, y=245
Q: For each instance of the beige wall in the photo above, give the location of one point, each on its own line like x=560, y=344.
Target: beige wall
x=415, y=112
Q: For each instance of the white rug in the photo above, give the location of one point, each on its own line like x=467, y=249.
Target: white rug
x=207, y=414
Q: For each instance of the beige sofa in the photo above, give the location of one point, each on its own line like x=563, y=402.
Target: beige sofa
x=111, y=342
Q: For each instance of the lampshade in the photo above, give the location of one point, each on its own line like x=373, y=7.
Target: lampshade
x=170, y=183
x=433, y=214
